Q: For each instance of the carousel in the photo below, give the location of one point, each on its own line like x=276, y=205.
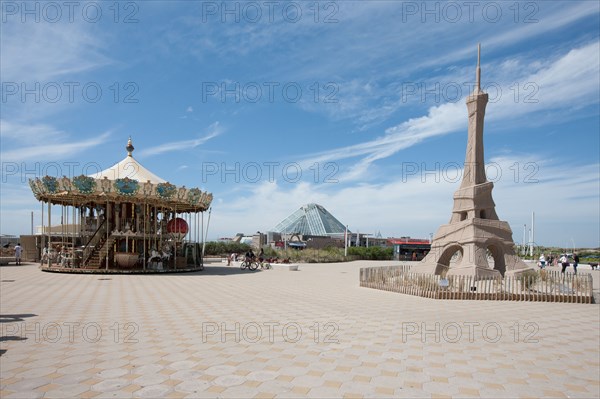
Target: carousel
x=124, y=219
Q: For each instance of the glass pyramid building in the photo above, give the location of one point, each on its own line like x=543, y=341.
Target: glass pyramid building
x=311, y=219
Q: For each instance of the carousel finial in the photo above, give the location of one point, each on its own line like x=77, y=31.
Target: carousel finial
x=129, y=147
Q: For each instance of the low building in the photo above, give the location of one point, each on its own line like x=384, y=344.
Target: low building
x=406, y=248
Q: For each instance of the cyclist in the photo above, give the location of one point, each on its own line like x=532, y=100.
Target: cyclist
x=261, y=258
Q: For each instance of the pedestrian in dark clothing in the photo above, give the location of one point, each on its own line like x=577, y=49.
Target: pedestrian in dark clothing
x=575, y=262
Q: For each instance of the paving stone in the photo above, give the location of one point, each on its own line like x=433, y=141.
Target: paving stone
x=66, y=391
x=37, y=372
x=112, y=373
x=150, y=379
x=29, y=384
x=114, y=384
x=153, y=391
x=25, y=395
x=229, y=380
x=192, y=386
x=182, y=365
x=149, y=368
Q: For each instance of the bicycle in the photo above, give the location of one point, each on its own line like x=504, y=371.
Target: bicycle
x=251, y=264
x=265, y=265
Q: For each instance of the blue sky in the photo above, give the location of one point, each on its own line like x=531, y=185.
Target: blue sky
x=357, y=106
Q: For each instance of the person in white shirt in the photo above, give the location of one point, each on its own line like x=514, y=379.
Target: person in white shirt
x=564, y=261
x=18, y=252
x=542, y=262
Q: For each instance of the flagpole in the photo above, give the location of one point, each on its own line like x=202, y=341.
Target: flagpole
x=346, y=242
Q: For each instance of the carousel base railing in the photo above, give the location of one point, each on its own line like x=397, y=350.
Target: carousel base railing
x=119, y=270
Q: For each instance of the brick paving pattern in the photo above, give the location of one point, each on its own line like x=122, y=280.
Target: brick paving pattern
x=229, y=333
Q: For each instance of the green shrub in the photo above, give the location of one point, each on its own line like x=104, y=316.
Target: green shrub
x=220, y=248
x=371, y=253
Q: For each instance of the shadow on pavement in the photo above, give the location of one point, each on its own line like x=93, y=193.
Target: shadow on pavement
x=223, y=271
x=12, y=318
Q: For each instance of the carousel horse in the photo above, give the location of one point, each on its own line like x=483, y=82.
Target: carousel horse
x=155, y=260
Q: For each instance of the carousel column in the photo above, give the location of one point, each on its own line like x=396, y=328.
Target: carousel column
x=65, y=226
x=42, y=245
x=83, y=219
x=161, y=225
x=176, y=235
x=136, y=214
x=49, y=224
x=62, y=227
x=107, y=231
x=74, y=223
x=145, y=224
x=117, y=218
x=154, y=227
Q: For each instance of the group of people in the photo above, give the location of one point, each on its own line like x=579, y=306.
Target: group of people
x=563, y=260
x=252, y=257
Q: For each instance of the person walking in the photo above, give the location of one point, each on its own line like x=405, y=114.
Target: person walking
x=564, y=261
x=18, y=252
x=575, y=262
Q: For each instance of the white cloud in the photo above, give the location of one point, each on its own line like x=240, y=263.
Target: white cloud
x=569, y=80
x=45, y=51
x=214, y=130
x=41, y=142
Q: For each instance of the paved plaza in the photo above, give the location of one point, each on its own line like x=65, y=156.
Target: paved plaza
x=230, y=333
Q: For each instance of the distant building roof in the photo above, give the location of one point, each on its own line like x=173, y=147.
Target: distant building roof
x=409, y=241
x=311, y=219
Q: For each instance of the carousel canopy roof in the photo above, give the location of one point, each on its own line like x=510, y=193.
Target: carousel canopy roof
x=127, y=181
x=131, y=168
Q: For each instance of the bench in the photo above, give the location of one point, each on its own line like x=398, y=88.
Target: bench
x=5, y=260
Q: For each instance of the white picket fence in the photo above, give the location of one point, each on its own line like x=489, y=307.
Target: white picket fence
x=535, y=286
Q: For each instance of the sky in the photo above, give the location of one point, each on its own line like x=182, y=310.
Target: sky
x=358, y=106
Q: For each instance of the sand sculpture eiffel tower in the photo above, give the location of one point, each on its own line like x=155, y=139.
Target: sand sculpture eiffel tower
x=462, y=246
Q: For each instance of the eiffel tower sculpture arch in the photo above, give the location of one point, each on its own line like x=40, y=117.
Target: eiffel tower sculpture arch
x=474, y=233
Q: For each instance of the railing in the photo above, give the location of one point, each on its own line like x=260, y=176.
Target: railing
x=93, y=242
x=536, y=285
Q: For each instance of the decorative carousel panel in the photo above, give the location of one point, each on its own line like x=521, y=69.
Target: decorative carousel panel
x=126, y=186
x=50, y=184
x=41, y=188
x=148, y=189
x=65, y=184
x=84, y=184
x=194, y=196
x=34, y=187
x=165, y=190
x=104, y=184
x=206, y=199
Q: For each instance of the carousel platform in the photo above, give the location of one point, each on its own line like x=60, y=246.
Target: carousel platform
x=70, y=270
